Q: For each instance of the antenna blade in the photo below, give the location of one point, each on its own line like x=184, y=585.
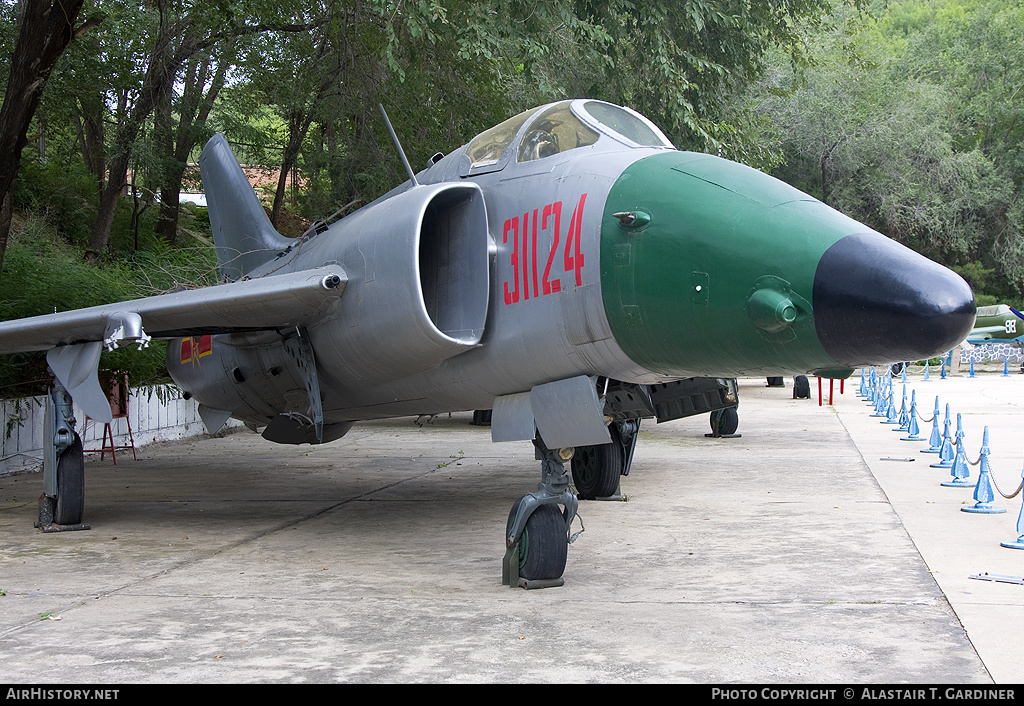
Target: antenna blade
x=398, y=144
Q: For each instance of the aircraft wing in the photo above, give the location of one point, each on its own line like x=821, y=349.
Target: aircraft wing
x=74, y=339
x=273, y=302
x=985, y=332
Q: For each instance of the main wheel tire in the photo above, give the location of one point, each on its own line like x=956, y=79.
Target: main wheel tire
x=776, y=382
x=70, y=505
x=544, y=544
x=596, y=469
x=725, y=421
x=801, y=388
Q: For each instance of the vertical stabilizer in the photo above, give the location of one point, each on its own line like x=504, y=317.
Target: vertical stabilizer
x=244, y=237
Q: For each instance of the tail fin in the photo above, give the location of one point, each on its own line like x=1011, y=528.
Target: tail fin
x=244, y=237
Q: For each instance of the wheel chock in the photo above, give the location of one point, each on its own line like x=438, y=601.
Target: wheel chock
x=529, y=584
x=45, y=521
x=510, y=573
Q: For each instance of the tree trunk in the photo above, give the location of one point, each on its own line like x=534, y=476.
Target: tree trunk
x=108, y=204
x=91, y=141
x=194, y=112
x=298, y=126
x=297, y=134
x=45, y=30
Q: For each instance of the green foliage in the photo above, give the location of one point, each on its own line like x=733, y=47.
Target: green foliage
x=981, y=300
x=446, y=71
x=64, y=193
x=976, y=274
x=43, y=273
x=909, y=123
x=66, y=196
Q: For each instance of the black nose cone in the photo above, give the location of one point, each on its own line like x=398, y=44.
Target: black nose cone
x=877, y=302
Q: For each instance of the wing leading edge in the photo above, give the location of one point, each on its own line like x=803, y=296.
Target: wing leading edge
x=74, y=339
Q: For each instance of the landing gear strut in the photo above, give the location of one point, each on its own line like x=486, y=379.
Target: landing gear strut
x=537, y=532
x=62, y=503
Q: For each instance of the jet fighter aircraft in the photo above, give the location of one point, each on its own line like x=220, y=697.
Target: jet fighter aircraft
x=997, y=324
x=568, y=268
x=998, y=335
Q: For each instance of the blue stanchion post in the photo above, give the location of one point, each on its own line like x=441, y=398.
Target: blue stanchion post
x=1019, y=542
x=959, y=469
x=913, y=430
x=946, y=452
x=935, y=440
x=880, y=399
x=984, y=493
x=872, y=382
x=904, y=416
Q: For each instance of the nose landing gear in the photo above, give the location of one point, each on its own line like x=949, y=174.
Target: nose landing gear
x=537, y=532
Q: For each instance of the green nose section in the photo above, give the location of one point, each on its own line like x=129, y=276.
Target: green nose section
x=718, y=275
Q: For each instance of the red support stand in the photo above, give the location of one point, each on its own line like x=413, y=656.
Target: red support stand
x=831, y=389
x=117, y=394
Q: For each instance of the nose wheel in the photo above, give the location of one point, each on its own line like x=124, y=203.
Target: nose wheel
x=537, y=531
x=543, y=544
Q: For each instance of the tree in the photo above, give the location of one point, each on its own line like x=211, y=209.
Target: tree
x=183, y=29
x=202, y=81
x=446, y=71
x=893, y=123
x=45, y=29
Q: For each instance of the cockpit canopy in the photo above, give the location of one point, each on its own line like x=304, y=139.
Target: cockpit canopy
x=560, y=127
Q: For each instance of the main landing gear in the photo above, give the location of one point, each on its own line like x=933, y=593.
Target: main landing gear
x=596, y=469
x=537, y=532
x=62, y=504
x=724, y=422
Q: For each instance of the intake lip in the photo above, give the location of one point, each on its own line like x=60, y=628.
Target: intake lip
x=877, y=302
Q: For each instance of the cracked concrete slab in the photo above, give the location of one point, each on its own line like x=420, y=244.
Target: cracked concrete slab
x=773, y=557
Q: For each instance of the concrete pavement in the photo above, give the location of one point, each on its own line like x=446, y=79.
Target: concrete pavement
x=774, y=557
x=956, y=545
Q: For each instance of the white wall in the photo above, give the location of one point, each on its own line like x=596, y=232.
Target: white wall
x=155, y=414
